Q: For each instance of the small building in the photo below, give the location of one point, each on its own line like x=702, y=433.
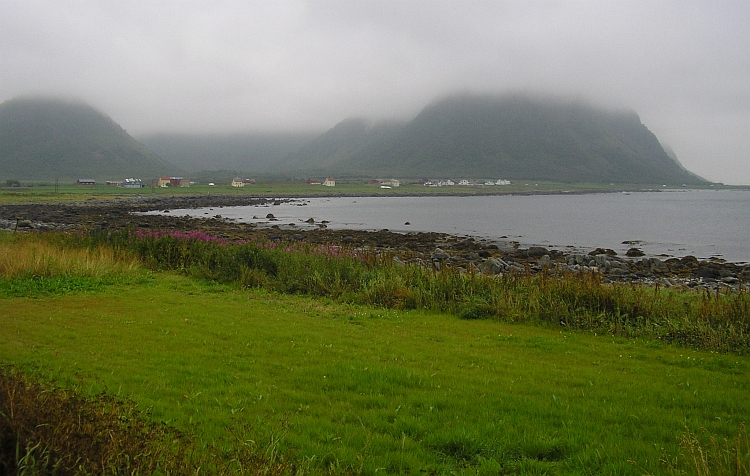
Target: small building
x=464, y=182
x=114, y=183
x=172, y=182
x=313, y=181
x=87, y=182
x=240, y=182
x=391, y=182
x=132, y=183
x=330, y=182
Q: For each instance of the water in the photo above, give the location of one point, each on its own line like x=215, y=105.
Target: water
x=675, y=223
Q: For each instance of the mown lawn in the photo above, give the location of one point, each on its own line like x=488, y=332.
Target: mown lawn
x=356, y=389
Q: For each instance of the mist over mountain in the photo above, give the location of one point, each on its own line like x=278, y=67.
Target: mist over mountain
x=50, y=138
x=251, y=152
x=512, y=137
x=516, y=137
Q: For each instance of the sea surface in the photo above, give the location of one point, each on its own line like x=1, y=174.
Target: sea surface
x=705, y=223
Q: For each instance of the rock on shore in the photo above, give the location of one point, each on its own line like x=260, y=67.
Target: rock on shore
x=436, y=250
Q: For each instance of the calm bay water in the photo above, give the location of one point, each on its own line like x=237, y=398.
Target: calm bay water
x=676, y=223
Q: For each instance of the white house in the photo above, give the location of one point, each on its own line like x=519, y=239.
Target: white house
x=330, y=182
x=132, y=183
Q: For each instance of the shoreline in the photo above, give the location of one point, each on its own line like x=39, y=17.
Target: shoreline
x=434, y=249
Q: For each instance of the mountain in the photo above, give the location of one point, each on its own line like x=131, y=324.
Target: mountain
x=249, y=152
x=511, y=137
x=50, y=138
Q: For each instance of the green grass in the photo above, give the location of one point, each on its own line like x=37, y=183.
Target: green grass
x=708, y=321
x=345, y=388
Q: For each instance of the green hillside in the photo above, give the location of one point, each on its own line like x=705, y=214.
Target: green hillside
x=248, y=152
x=512, y=137
x=48, y=138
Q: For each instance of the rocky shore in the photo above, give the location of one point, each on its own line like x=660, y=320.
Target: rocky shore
x=437, y=250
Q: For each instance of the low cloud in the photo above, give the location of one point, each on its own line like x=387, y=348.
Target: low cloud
x=234, y=66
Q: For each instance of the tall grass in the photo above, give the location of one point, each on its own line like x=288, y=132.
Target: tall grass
x=704, y=454
x=32, y=263
x=712, y=321
x=36, y=255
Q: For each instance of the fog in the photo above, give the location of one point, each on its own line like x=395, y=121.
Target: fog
x=228, y=66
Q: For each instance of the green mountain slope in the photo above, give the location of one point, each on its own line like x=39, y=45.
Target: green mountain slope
x=47, y=138
x=248, y=152
x=512, y=137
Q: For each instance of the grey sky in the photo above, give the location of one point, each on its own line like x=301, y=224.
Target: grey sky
x=221, y=65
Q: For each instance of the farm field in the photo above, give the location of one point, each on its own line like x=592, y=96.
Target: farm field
x=350, y=389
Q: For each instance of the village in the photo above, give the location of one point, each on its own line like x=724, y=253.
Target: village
x=238, y=182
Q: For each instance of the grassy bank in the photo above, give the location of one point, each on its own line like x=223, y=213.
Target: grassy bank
x=265, y=358
x=710, y=321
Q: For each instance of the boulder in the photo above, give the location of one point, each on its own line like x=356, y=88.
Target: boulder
x=544, y=261
x=537, y=252
x=493, y=266
x=653, y=263
x=708, y=272
x=439, y=255
x=603, y=251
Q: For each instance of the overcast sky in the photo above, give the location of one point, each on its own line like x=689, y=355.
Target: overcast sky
x=226, y=66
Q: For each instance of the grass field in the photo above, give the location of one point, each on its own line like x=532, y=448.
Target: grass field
x=356, y=389
x=365, y=390
x=312, y=385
